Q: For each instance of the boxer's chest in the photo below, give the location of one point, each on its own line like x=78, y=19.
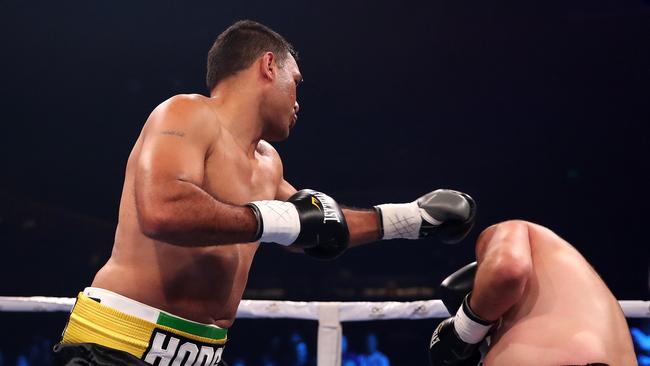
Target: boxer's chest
x=233, y=178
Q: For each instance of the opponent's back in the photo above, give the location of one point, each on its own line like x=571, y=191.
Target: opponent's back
x=566, y=316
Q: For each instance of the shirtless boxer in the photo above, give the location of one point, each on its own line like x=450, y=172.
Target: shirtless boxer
x=539, y=300
x=202, y=189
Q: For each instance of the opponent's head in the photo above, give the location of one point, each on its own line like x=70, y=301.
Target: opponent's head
x=251, y=47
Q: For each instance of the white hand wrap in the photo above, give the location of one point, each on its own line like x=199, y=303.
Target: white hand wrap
x=400, y=220
x=280, y=220
x=468, y=330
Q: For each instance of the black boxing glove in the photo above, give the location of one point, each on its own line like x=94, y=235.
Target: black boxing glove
x=453, y=289
x=449, y=215
x=456, y=340
x=309, y=220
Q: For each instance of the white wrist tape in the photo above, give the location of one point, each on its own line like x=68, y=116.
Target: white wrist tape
x=280, y=220
x=469, y=330
x=400, y=220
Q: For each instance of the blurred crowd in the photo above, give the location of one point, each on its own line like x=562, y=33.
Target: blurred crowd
x=293, y=349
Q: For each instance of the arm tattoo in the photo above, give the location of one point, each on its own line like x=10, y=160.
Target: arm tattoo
x=173, y=133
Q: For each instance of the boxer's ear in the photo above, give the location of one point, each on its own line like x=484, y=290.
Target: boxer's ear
x=268, y=66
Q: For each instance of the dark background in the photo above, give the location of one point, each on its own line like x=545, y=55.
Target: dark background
x=537, y=109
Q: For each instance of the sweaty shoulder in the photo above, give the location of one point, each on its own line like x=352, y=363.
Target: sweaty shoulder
x=183, y=115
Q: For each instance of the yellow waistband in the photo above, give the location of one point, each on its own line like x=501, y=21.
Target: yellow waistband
x=92, y=322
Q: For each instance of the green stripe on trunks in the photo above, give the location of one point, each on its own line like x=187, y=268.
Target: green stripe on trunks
x=197, y=329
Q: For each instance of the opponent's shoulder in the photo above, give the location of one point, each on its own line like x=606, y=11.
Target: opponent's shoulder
x=184, y=111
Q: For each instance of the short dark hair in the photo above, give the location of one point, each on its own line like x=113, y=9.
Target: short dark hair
x=239, y=46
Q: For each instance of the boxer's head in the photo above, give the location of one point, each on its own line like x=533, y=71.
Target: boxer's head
x=269, y=63
x=279, y=105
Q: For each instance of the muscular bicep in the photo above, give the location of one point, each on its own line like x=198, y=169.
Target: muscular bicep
x=174, y=146
x=170, y=153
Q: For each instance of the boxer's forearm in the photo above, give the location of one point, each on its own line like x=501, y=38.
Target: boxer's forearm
x=363, y=226
x=492, y=296
x=504, y=266
x=188, y=216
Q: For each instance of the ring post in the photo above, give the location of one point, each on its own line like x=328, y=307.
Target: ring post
x=329, y=335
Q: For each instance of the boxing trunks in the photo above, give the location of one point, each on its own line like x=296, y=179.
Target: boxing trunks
x=105, y=328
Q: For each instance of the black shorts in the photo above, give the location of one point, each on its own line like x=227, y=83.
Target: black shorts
x=90, y=354
x=86, y=354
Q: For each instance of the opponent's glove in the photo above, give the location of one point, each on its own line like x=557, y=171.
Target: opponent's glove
x=309, y=220
x=447, y=214
x=453, y=289
x=456, y=340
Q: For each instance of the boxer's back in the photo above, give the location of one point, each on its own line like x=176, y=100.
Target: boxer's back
x=567, y=315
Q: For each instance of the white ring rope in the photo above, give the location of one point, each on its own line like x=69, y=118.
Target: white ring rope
x=348, y=311
x=329, y=314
